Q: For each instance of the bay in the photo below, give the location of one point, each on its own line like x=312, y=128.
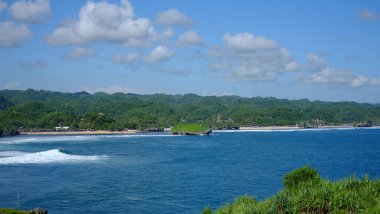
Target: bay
x=172, y=174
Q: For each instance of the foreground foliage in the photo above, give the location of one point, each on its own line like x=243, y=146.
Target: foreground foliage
x=12, y=211
x=306, y=192
x=44, y=110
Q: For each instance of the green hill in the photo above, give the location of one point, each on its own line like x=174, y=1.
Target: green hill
x=43, y=110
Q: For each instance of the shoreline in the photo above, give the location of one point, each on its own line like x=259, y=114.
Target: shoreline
x=243, y=128
x=98, y=132
x=272, y=128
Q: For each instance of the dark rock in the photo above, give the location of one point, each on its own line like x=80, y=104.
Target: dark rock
x=39, y=211
x=154, y=130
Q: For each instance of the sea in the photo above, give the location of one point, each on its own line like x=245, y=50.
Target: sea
x=164, y=173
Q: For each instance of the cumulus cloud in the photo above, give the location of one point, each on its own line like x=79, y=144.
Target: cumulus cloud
x=318, y=71
x=103, y=21
x=330, y=76
x=166, y=34
x=247, y=57
x=125, y=58
x=160, y=53
x=111, y=89
x=30, y=11
x=190, y=37
x=81, y=52
x=12, y=85
x=367, y=15
x=375, y=81
x=38, y=64
x=173, y=17
x=12, y=34
x=248, y=42
x=315, y=61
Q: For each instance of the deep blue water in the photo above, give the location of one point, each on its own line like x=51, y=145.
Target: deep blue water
x=172, y=174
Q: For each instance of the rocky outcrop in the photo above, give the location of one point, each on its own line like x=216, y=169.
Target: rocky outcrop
x=207, y=132
x=39, y=211
x=154, y=129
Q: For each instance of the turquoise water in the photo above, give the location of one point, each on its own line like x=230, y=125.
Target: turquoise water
x=172, y=174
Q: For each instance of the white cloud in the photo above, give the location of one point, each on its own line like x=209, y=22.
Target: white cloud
x=367, y=15
x=102, y=21
x=160, y=53
x=3, y=6
x=247, y=57
x=12, y=85
x=316, y=61
x=81, y=52
x=128, y=58
x=359, y=81
x=12, y=34
x=111, y=89
x=190, y=37
x=317, y=71
x=166, y=34
x=375, y=81
x=30, y=11
x=173, y=17
x=248, y=42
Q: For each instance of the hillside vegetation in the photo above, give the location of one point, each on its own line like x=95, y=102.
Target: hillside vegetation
x=306, y=192
x=44, y=110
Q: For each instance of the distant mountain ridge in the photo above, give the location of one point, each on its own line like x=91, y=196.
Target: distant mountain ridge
x=31, y=109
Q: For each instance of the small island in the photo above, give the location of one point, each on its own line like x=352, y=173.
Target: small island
x=191, y=129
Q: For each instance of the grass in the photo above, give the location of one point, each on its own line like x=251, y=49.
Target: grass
x=11, y=211
x=189, y=128
x=306, y=192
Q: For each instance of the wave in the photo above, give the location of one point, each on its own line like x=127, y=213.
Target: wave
x=50, y=156
x=42, y=139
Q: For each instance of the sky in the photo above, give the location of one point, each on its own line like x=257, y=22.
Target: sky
x=319, y=50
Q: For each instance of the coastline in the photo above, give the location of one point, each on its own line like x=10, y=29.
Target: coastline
x=243, y=128
x=270, y=128
x=98, y=132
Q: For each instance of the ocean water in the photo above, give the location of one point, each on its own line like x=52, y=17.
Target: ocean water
x=172, y=174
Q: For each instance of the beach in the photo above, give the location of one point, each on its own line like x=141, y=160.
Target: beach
x=291, y=127
x=243, y=128
x=98, y=132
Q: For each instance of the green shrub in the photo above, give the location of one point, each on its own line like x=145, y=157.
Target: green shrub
x=207, y=210
x=299, y=176
x=11, y=211
x=306, y=192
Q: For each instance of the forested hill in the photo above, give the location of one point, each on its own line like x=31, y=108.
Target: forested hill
x=45, y=110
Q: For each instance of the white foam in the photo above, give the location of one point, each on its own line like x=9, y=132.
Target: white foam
x=44, y=139
x=50, y=156
x=72, y=138
x=11, y=153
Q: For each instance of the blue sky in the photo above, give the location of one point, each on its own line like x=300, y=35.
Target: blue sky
x=320, y=50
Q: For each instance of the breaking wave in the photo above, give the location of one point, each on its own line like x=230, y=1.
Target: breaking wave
x=50, y=156
x=42, y=139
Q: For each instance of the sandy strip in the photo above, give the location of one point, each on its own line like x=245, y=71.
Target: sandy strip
x=98, y=132
x=292, y=127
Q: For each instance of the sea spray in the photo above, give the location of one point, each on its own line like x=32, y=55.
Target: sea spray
x=50, y=156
